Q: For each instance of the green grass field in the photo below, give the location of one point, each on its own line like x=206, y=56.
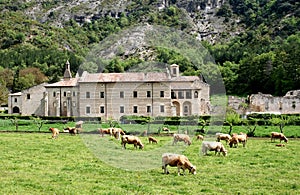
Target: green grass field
x=33, y=163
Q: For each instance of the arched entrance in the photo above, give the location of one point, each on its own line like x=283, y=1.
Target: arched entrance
x=16, y=110
x=177, y=106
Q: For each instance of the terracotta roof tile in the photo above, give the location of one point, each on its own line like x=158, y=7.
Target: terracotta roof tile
x=64, y=83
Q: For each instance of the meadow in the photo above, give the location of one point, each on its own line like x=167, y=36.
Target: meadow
x=33, y=163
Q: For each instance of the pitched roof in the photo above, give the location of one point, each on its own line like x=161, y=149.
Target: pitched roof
x=72, y=82
x=125, y=77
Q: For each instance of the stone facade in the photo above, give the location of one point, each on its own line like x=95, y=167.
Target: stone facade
x=288, y=104
x=112, y=95
x=28, y=102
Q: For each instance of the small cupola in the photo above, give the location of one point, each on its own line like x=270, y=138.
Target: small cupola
x=174, y=70
x=67, y=74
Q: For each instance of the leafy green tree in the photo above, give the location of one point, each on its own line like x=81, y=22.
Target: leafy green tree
x=279, y=121
x=232, y=118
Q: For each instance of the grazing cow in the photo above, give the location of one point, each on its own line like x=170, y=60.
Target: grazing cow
x=218, y=147
x=117, y=132
x=234, y=141
x=152, y=140
x=108, y=131
x=199, y=137
x=181, y=137
x=71, y=130
x=276, y=135
x=242, y=137
x=181, y=161
x=131, y=139
x=166, y=129
x=55, y=132
x=223, y=136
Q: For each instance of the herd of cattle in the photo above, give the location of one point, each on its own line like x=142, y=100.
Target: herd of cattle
x=180, y=161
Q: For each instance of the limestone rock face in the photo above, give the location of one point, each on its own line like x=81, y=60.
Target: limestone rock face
x=200, y=14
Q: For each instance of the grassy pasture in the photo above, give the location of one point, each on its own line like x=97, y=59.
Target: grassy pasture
x=32, y=163
x=261, y=131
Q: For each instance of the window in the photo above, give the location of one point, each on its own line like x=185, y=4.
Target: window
x=74, y=93
x=88, y=110
x=148, y=109
x=294, y=104
x=121, y=109
x=102, y=109
x=135, y=109
x=102, y=94
x=196, y=94
x=135, y=94
x=87, y=94
x=173, y=95
x=186, y=109
x=65, y=104
x=162, y=94
x=28, y=96
x=180, y=95
x=148, y=93
x=162, y=108
x=188, y=95
x=65, y=94
x=121, y=94
x=174, y=70
x=16, y=99
x=54, y=94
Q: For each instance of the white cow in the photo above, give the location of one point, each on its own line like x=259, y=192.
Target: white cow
x=181, y=137
x=218, y=147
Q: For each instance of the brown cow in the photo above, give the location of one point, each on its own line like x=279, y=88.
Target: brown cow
x=236, y=138
x=71, y=130
x=55, y=132
x=152, y=140
x=117, y=132
x=181, y=161
x=131, y=139
x=223, y=136
x=199, y=137
x=276, y=135
x=181, y=137
x=106, y=131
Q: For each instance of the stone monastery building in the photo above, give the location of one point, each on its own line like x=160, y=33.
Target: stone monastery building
x=112, y=95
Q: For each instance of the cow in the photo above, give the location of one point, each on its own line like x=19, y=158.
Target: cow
x=108, y=131
x=276, y=135
x=117, y=133
x=166, y=129
x=234, y=141
x=181, y=137
x=55, y=132
x=199, y=137
x=237, y=138
x=181, y=161
x=152, y=140
x=218, y=147
x=71, y=130
x=131, y=139
x=223, y=136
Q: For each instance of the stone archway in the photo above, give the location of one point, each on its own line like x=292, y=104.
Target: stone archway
x=177, y=106
x=16, y=110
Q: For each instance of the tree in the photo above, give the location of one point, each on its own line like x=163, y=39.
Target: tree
x=232, y=118
x=280, y=122
x=38, y=122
